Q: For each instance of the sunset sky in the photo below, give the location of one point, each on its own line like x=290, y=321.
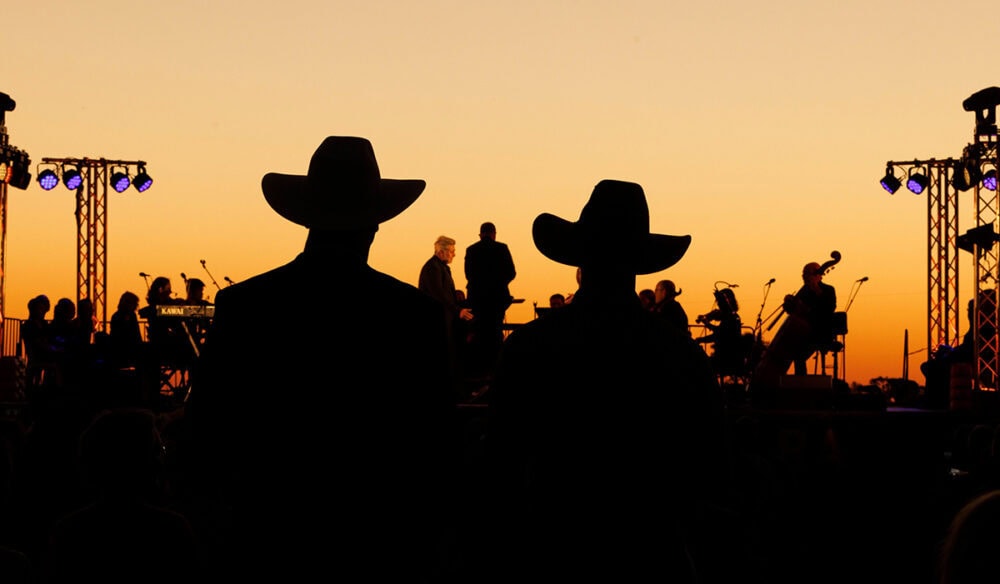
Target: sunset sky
x=759, y=129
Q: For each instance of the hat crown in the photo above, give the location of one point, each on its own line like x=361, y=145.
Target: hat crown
x=616, y=210
x=346, y=161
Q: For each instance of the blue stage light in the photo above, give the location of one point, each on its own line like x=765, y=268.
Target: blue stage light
x=47, y=179
x=120, y=181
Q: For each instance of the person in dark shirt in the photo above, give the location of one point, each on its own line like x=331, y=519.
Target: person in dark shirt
x=605, y=436
x=815, y=302
x=489, y=270
x=437, y=282
x=329, y=444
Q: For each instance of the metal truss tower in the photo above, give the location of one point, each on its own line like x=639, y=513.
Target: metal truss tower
x=987, y=276
x=946, y=179
x=942, y=252
x=3, y=239
x=91, y=225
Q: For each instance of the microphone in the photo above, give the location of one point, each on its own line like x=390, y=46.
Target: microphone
x=734, y=285
x=203, y=263
x=184, y=276
x=865, y=279
x=143, y=275
x=226, y=278
x=769, y=282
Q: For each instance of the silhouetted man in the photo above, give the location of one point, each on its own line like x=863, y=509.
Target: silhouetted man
x=489, y=269
x=605, y=426
x=322, y=410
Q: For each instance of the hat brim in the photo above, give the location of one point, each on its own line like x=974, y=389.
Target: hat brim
x=566, y=242
x=291, y=197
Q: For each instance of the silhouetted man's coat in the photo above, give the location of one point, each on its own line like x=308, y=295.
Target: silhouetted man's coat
x=322, y=411
x=489, y=270
x=605, y=425
x=330, y=410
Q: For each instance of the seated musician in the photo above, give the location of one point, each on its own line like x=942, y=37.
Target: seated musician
x=166, y=336
x=814, y=304
x=726, y=333
x=197, y=326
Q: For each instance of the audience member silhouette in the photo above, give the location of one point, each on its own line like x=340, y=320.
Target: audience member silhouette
x=489, y=270
x=61, y=336
x=606, y=426
x=85, y=323
x=557, y=300
x=126, y=333
x=666, y=304
x=127, y=533
x=333, y=439
x=35, y=338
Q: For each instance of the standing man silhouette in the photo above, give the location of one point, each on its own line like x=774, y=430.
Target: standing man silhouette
x=489, y=270
x=589, y=400
x=327, y=441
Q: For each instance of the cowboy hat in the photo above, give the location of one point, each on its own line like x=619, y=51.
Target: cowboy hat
x=343, y=189
x=613, y=230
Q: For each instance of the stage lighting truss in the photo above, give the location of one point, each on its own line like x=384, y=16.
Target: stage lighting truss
x=74, y=172
x=120, y=180
x=16, y=167
x=889, y=182
x=917, y=181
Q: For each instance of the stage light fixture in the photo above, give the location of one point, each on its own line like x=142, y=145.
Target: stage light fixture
x=20, y=178
x=72, y=178
x=917, y=182
x=18, y=175
x=990, y=180
x=119, y=181
x=142, y=180
x=4, y=171
x=47, y=179
x=889, y=182
x=965, y=175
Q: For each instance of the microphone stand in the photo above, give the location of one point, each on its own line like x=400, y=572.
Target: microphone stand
x=855, y=288
x=145, y=277
x=760, y=323
x=217, y=287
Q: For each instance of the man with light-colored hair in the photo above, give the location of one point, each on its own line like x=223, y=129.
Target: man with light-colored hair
x=436, y=281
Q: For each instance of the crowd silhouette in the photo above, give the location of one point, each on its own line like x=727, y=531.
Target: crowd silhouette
x=344, y=446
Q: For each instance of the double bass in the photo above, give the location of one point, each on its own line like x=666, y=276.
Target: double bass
x=790, y=343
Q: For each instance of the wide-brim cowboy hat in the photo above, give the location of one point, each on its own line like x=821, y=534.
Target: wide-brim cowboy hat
x=343, y=189
x=613, y=230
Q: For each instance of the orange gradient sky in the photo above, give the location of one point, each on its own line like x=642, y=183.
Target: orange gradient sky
x=759, y=129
